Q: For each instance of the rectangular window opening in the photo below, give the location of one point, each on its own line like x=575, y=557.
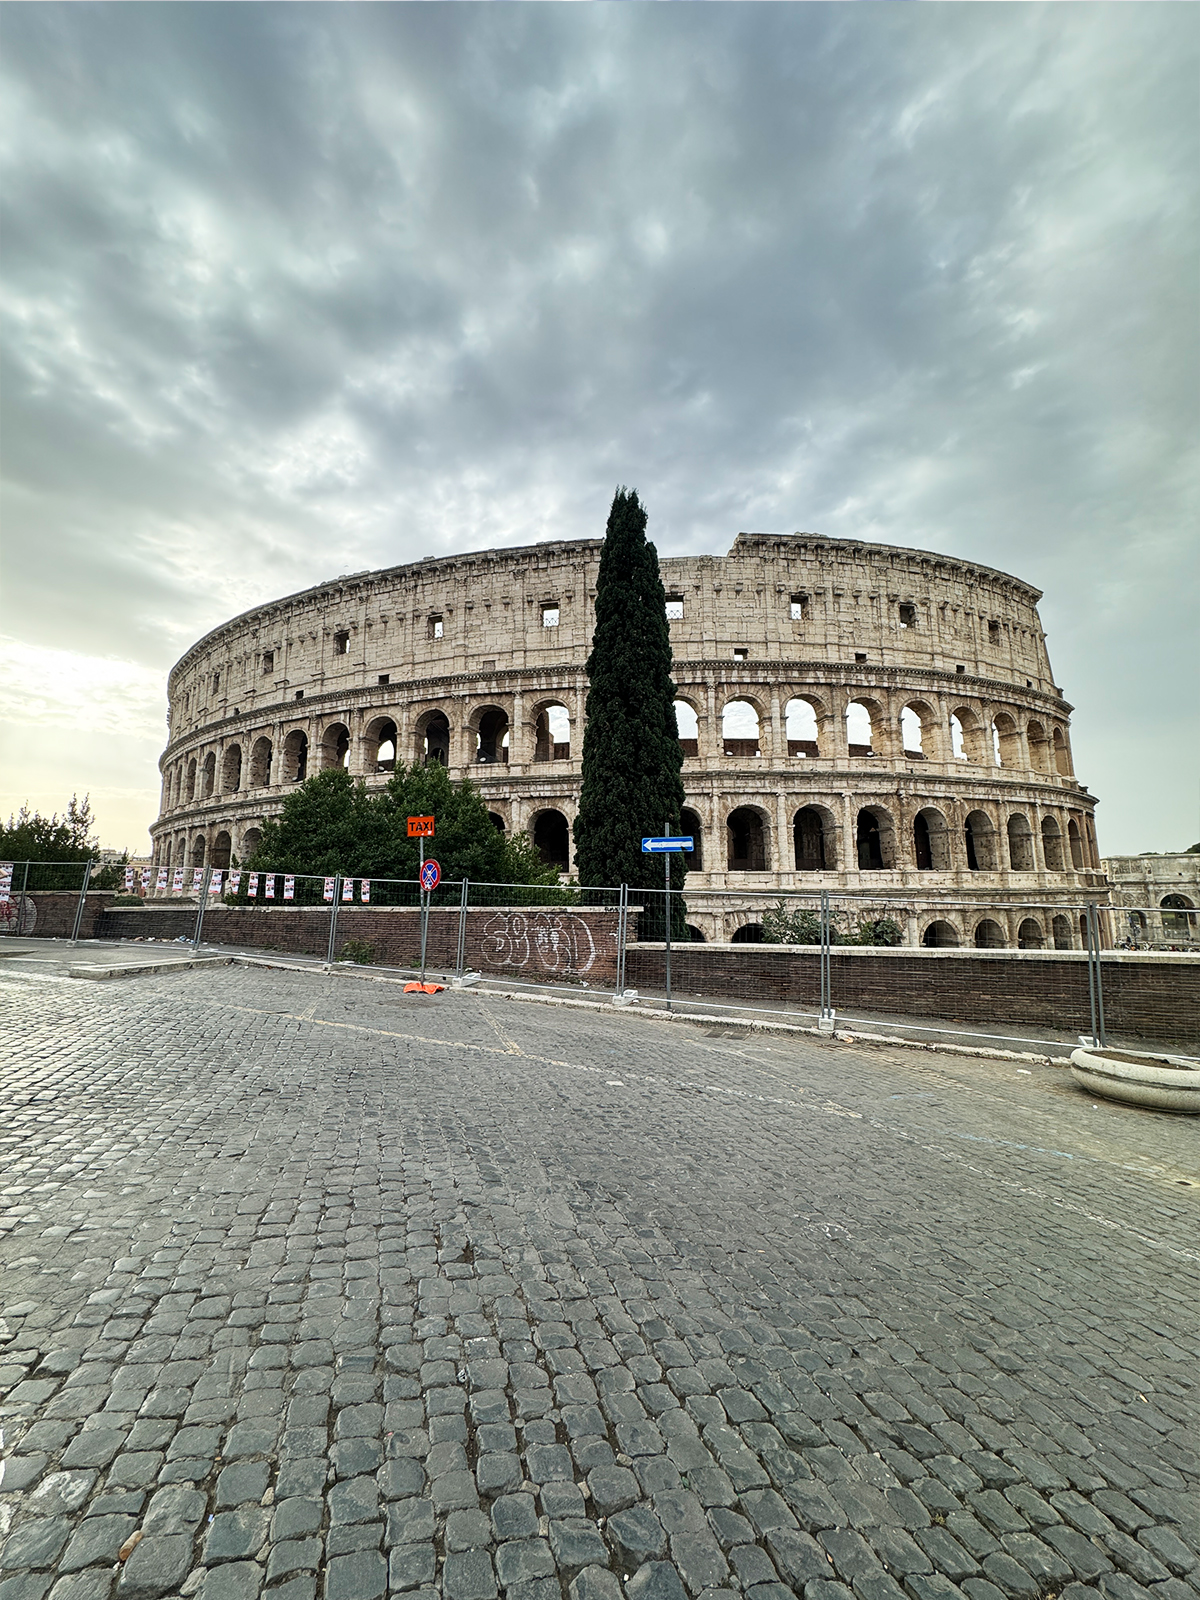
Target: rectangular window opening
x=960, y=668
x=741, y=654
x=488, y=666
x=798, y=608
x=908, y=616
x=550, y=614
x=299, y=694
x=216, y=682
x=385, y=677
x=341, y=643
x=436, y=628
x=994, y=632
x=674, y=608
x=268, y=664
x=860, y=655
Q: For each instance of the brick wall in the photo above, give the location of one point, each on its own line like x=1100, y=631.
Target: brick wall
x=1153, y=997
x=55, y=913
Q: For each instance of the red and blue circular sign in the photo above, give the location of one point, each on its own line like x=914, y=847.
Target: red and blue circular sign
x=431, y=876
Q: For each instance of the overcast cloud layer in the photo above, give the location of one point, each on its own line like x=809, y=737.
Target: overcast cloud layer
x=290, y=291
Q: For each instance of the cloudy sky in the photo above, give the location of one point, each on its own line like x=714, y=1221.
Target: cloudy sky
x=290, y=291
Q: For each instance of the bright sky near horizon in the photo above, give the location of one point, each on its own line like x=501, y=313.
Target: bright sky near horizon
x=294, y=290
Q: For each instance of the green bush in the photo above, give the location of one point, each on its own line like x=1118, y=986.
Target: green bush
x=358, y=951
x=879, y=930
x=801, y=926
x=127, y=900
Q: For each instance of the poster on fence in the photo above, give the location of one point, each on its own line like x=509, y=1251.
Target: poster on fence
x=347, y=888
x=329, y=883
x=252, y=886
x=6, y=877
x=160, y=886
x=364, y=891
x=270, y=886
x=147, y=872
x=197, y=879
x=289, y=888
x=235, y=882
x=177, y=881
x=128, y=880
x=214, y=883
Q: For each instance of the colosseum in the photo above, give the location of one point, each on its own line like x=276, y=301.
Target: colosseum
x=858, y=717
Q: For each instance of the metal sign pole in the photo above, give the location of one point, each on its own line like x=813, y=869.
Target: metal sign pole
x=460, y=960
x=333, y=916
x=825, y=1021
x=622, y=924
x=87, y=872
x=1095, y=980
x=204, y=883
x=424, y=907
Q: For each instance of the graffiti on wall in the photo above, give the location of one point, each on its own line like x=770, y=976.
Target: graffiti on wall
x=557, y=943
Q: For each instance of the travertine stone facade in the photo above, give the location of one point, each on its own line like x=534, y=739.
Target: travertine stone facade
x=1153, y=897
x=855, y=716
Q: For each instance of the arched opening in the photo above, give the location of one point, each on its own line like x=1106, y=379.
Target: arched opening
x=875, y=838
x=687, y=724
x=800, y=726
x=497, y=821
x=379, y=745
x=335, y=746
x=746, y=836
x=1176, y=923
x=1020, y=843
x=1137, y=926
x=295, y=757
x=1030, y=935
x=1052, y=850
x=209, y=783
x=695, y=934
x=1006, y=741
x=198, y=851
x=231, y=769
x=552, y=729
x=251, y=840
x=222, y=850
x=433, y=739
x=491, y=736
x=1062, y=754
x=740, y=730
x=966, y=735
x=860, y=731
x=1039, y=747
x=1061, y=930
x=191, y=779
x=551, y=838
x=689, y=823
x=748, y=933
x=1083, y=931
x=940, y=936
x=260, y=763
x=980, y=838
x=1075, y=841
x=989, y=935
x=931, y=841
x=917, y=732
x=813, y=839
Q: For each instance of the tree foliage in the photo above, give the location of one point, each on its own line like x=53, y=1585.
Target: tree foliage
x=30, y=836
x=632, y=760
x=331, y=823
x=799, y=925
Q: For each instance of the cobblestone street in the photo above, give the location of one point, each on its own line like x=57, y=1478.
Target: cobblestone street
x=312, y=1287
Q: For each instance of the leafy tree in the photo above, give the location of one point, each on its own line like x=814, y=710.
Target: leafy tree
x=879, y=930
x=52, y=841
x=632, y=760
x=781, y=926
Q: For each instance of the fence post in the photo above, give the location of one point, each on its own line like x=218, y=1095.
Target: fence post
x=460, y=955
x=825, y=1020
x=622, y=924
x=204, y=883
x=333, y=916
x=667, y=914
x=1095, y=976
x=87, y=872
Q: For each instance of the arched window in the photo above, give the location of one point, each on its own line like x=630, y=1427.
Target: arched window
x=931, y=841
x=198, y=851
x=1061, y=927
x=1006, y=741
x=917, y=732
x=688, y=725
x=748, y=933
x=1020, y=843
x=251, y=840
x=980, y=838
x=335, y=746
x=497, y=821
x=1052, y=850
x=739, y=729
x=859, y=729
x=295, y=757
x=1177, y=924
x=875, y=838
x=746, y=840
x=551, y=838
x=989, y=935
x=800, y=726
x=1039, y=747
x=1075, y=841
x=689, y=822
x=221, y=850
x=553, y=734
x=813, y=840
x=433, y=739
x=210, y=774
x=1030, y=935
x=1062, y=755
x=696, y=934
x=260, y=763
x=491, y=736
x=379, y=745
x=231, y=769
x=941, y=936
x=966, y=735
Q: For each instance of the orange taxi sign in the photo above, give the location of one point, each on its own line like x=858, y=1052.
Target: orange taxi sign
x=420, y=827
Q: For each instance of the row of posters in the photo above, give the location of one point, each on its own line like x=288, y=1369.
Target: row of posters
x=258, y=884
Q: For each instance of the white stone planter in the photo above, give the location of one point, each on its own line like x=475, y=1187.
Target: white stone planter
x=1162, y=1083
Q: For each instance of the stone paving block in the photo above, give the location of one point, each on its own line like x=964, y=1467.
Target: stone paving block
x=410, y=1566
x=468, y=1575
x=514, y=1516
x=236, y=1535
x=636, y=1535
x=698, y=1560
x=595, y=1583
x=95, y=1584
x=96, y=1539
x=362, y=1576
x=34, y=1544
x=410, y=1521
x=498, y=1474
x=156, y=1566
x=241, y=1483
x=657, y=1580
x=612, y=1489
x=240, y=1580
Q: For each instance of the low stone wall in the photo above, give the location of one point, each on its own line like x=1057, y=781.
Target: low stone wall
x=1152, y=997
x=51, y=914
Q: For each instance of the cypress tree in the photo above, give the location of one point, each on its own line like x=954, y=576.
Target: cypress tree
x=632, y=761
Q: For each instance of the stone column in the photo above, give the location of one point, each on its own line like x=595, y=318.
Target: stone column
x=786, y=855
x=832, y=732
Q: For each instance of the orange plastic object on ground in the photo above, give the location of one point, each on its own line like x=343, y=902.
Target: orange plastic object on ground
x=424, y=988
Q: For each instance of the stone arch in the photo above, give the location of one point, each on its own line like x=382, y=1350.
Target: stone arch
x=864, y=724
x=380, y=739
x=551, y=837
x=1052, y=850
x=1176, y=922
x=432, y=734
x=687, y=725
x=746, y=831
x=1062, y=754
x=295, y=756
x=1006, y=741
x=1061, y=932
x=231, y=769
x=931, y=841
x=696, y=934
x=741, y=728
x=919, y=731
x=552, y=731
x=980, y=838
x=689, y=822
x=967, y=742
x=335, y=746
x=208, y=781
x=489, y=724
x=989, y=935
x=1020, y=843
x=875, y=837
x=260, y=763
x=199, y=846
x=941, y=935
x=1038, y=744
x=1075, y=843
x=497, y=822
x=802, y=725
x=222, y=850
x=251, y=840
x=814, y=839
x=748, y=933
x=1030, y=935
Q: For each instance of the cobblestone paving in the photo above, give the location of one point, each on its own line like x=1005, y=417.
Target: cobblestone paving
x=318, y=1287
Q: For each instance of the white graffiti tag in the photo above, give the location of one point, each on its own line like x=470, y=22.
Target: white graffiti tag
x=557, y=942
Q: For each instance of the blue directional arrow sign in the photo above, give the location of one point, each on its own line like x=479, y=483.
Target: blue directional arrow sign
x=667, y=843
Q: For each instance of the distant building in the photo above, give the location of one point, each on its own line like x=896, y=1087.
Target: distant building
x=1154, y=899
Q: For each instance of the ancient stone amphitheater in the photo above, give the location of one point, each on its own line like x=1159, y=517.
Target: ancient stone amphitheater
x=853, y=716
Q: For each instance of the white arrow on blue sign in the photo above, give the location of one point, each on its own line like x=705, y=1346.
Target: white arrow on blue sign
x=661, y=846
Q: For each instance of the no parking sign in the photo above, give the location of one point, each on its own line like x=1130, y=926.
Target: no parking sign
x=431, y=875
